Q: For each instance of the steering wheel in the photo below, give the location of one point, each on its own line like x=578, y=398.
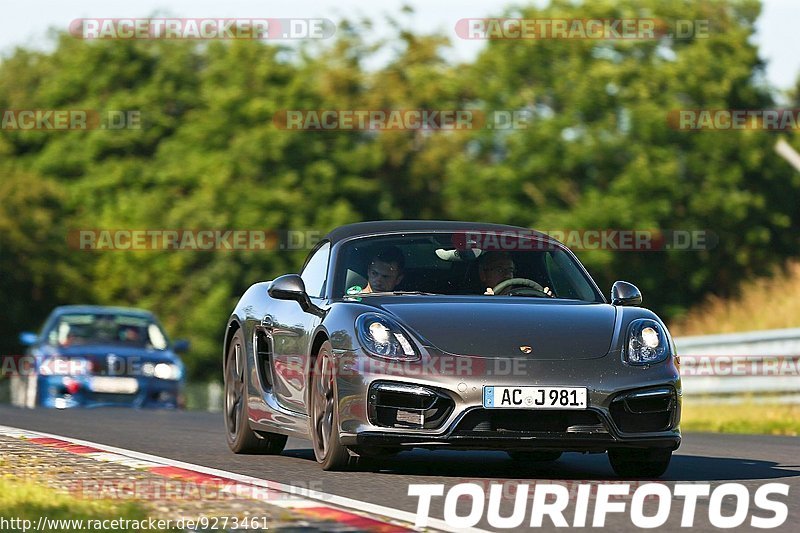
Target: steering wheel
x=506, y=287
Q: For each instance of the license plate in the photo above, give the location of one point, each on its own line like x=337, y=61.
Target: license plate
x=114, y=385
x=534, y=397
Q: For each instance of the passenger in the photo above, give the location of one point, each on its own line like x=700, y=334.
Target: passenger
x=130, y=334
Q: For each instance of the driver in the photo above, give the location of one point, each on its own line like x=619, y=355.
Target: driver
x=384, y=272
x=493, y=268
x=496, y=267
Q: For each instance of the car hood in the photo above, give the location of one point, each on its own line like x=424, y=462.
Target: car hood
x=553, y=329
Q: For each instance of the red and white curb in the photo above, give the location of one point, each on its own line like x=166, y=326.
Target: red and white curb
x=311, y=503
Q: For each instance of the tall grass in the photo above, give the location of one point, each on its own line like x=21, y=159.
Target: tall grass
x=747, y=417
x=766, y=303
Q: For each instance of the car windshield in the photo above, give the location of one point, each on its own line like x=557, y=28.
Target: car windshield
x=461, y=263
x=103, y=328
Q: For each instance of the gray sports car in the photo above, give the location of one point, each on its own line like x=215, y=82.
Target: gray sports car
x=460, y=335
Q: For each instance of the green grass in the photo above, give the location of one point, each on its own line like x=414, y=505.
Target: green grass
x=20, y=499
x=747, y=417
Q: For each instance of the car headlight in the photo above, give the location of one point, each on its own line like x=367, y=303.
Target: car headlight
x=382, y=337
x=167, y=371
x=647, y=342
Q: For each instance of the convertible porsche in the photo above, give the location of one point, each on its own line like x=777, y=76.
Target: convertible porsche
x=404, y=334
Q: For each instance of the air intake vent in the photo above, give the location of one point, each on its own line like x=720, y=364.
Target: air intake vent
x=263, y=347
x=645, y=410
x=408, y=406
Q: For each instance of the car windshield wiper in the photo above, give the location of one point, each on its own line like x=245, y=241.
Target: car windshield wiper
x=390, y=293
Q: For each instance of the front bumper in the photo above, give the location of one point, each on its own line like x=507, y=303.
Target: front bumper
x=64, y=392
x=628, y=407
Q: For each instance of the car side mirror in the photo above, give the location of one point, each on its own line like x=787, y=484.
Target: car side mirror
x=180, y=346
x=28, y=339
x=624, y=293
x=291, y=287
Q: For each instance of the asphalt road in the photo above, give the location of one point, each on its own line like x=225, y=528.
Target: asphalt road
x=198, y=438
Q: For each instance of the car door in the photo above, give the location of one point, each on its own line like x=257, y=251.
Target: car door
x=291, y=333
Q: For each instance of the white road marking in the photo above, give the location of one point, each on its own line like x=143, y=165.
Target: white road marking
x=121, y=459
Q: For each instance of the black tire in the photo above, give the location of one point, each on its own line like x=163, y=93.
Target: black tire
x=324, y=411
x=242, y=439
x=534, y=456
x=640, y=462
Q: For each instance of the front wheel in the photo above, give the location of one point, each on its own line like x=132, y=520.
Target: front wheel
x=638, y=462
x=328, y=451
x=242, y=439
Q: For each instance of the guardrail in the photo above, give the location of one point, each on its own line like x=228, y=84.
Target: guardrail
x=757, y=362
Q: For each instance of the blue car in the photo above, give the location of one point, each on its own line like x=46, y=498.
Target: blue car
x=93, y=356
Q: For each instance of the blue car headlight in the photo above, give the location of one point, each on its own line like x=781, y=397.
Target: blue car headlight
x=168, y=371
x=380, y=336
x=647, y=342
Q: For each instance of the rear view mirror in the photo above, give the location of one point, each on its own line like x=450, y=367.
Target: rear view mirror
x=291, y=287
x=28, y=339
x=288, y=287
x=624, y=293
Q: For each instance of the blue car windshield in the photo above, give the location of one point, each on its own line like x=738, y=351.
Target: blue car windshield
x=90, y=328
x=461, y=263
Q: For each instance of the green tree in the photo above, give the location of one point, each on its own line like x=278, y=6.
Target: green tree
x=599, y=153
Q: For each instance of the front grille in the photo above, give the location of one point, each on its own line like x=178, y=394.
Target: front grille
x=644, y=410
x=524, y=421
